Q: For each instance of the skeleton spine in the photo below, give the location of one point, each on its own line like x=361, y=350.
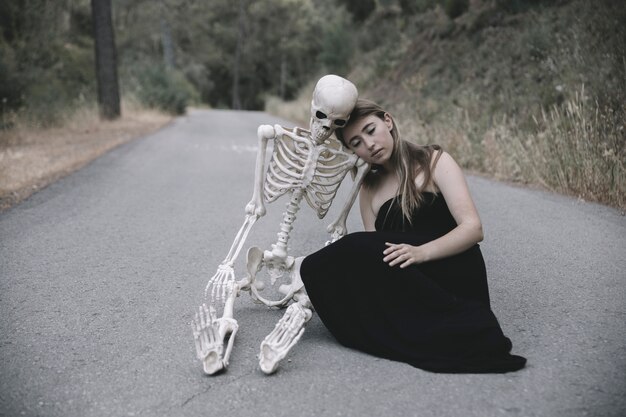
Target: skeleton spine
x=280, y=248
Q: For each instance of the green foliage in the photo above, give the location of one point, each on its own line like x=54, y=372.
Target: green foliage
x=411, y=7
x=46, y=66
x=503, y=91
x=279, y=47
x=81, y=21
x=47, y=101
x=165, y=89
x=65, y=81
x=11, y=86
x=282, y=44
x=337, y=46
x=519, y=6
x=359, y=9
x=455, y=8
x=537, y=42
x=279, y=60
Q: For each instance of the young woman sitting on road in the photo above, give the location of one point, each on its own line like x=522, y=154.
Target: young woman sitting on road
x=412, y=287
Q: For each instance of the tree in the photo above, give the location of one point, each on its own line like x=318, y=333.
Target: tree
x=106, y=60
x=236, y=102
x=359, y=9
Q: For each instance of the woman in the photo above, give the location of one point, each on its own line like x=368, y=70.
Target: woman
x=413, y=286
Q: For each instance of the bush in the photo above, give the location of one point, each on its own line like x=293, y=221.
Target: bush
x=337, y=49
x=519, y=6
x=359, y=9
x=47, y=101
x=577, y=149
x=44, y=84
x=455, y=8
x=165, y=89
x=411, y=7
x=11, y=86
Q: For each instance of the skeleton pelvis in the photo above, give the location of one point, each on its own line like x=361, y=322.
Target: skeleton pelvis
x=278, y=268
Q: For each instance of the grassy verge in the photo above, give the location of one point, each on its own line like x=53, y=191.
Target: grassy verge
x=576, y=148
x=535, y=97
x=32, y=157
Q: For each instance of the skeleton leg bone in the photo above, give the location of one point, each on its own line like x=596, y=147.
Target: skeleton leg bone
x=289, y=328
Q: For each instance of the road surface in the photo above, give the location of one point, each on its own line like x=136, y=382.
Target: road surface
x=101, y=272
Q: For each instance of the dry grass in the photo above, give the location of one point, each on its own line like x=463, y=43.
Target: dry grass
x=513, y=109
x=577, y=148
x=298, y=110
x=32, y=157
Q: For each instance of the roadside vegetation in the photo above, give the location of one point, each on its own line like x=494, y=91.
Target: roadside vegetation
x=531, y=91
x=526, y=91
x=32, y=156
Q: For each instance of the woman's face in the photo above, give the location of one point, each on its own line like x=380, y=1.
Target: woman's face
x=370, y=138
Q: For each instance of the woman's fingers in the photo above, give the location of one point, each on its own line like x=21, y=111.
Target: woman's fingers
x=398, y=254
x=406, y=263
x=391, y=248
x=391, y=256
x=395, y=253
x=398, y=260
x=391, y=252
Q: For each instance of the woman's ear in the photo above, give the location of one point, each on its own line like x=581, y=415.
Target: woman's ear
x=388, y=120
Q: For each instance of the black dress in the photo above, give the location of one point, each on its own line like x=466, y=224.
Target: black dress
x=435, y=316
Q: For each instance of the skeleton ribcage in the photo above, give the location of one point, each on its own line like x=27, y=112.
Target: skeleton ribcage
x=300, y=164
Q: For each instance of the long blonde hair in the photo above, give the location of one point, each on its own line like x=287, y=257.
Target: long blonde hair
x=408, y=159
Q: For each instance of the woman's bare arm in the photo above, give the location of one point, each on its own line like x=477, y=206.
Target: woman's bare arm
x=449, y=179
x=367, y=213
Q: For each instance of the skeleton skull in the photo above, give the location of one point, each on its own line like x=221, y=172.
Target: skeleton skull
x=333, y=100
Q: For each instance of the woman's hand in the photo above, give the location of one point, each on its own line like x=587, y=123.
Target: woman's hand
x=404, y=254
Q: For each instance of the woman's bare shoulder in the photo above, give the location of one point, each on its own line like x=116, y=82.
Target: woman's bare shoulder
x=431, y=187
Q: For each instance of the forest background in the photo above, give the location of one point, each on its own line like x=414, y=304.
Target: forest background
x=530, y=91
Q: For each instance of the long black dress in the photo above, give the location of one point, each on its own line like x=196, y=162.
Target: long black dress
x=435, y=316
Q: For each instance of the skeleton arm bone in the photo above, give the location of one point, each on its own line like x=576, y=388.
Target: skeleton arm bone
x=221, y=283
x=338, y=228
x=297, y=134
x=256, y=206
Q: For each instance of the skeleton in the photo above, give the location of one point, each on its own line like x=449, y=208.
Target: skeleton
x=308, y=165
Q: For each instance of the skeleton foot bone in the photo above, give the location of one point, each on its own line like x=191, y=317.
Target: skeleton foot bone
x=209, y=334
x=285, y=335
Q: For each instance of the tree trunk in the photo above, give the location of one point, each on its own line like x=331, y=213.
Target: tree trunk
x=106, y=60
x=168, y=44
x=236, y=104
x=169, y=59
x=283, y=75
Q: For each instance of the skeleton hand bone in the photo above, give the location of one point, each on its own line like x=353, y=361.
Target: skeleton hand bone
x=337, y=230
x=222, y=283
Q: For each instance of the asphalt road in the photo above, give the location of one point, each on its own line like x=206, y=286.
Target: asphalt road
x=101, y=272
